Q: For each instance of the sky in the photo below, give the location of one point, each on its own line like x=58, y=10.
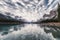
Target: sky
x=28, y=10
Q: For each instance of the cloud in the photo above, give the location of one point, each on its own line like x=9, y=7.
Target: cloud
x=32, y=11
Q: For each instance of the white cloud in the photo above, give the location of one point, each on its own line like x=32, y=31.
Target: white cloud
x=32, y=11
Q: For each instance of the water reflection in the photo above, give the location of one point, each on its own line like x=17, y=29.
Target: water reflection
x=5, y=29
x=29, y=32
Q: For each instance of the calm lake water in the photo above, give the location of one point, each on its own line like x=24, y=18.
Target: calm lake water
x=29, y=32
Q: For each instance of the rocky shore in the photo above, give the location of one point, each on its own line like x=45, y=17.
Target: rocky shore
x=51, y=24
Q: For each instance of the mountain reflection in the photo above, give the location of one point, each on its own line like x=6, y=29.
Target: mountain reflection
x=29, y=32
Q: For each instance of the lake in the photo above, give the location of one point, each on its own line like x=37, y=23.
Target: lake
x=29, y=32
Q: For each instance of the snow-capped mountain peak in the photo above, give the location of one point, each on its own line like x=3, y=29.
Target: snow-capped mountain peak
x=28, y=10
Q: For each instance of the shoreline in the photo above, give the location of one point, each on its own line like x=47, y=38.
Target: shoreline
x=51, y=24
x=44, y=23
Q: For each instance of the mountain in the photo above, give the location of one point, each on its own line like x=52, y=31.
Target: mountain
x=58, y=12
x=4, y=18
x=28, y=10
